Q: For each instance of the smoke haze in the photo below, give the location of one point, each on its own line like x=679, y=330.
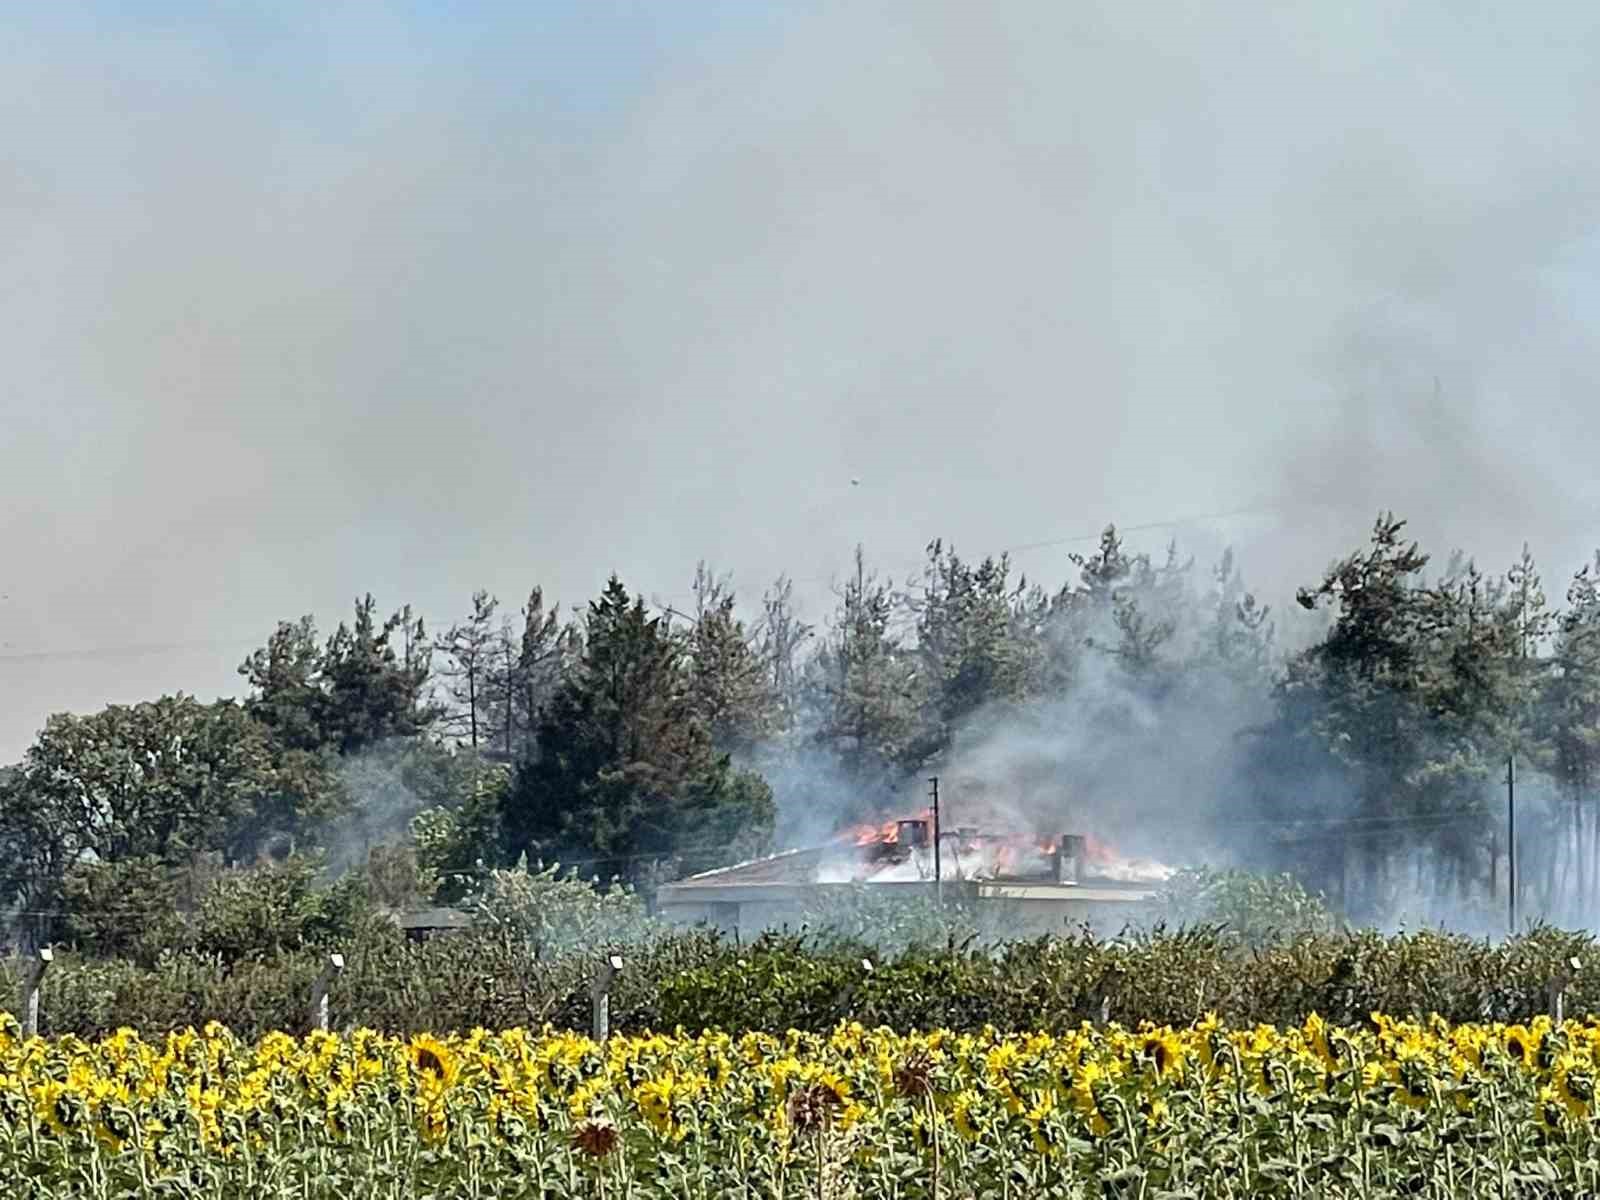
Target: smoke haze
x=303, y=305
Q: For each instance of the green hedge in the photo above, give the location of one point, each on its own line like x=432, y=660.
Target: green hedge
x=697, y=980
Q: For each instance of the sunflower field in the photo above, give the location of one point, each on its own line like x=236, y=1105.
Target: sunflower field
x=1386, y=1108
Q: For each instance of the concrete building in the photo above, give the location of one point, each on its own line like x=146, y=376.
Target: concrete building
x=1035, y=884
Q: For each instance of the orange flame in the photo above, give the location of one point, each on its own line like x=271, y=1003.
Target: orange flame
x=1097, y=851
x=886, y=834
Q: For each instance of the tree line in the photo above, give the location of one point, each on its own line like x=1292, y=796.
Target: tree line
x=646, y=743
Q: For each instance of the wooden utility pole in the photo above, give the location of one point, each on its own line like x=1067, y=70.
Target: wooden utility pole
x=938, y=873
x=1511, y=842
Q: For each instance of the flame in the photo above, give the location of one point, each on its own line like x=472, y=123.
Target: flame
x=886, y=834
x=1097, y=851
x=867, y=835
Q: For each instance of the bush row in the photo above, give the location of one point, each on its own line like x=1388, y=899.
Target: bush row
x=697, y=980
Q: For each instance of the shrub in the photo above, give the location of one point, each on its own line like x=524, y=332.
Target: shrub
x=262, y=911
x=127, y=909
x=1257, y=909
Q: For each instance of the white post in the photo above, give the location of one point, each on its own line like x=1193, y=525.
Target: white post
x=319, y=991
x=600, y=993
x=30, y=991
x=1558, y=988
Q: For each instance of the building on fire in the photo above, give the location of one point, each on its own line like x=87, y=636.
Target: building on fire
x=1040, y=884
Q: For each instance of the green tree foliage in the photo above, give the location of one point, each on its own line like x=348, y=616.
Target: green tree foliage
x=1368, y=761
x=781, y=641
x=625, y=771
x=729, y=686
x=972, y=648
x=261, y=911
x=1416, y=696
x=385, y=788
x=1257, y=909
x=1131, y=609
x=367, y=684
x=128, y=909
x=551, y=912
x=865, y=688
x=158, y=780
x=455, y=841
x=1237, y=635
x=1571, y=707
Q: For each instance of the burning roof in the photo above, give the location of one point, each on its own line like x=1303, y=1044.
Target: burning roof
x=900, y=850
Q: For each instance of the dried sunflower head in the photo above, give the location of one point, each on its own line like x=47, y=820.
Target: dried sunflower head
x=914, y=1076
x=595, y=1137
x=811, y=1107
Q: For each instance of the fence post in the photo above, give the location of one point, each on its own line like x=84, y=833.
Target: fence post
x=319, y=991
x=1557, y=990
x=848, y=996
x=600, y=993
x=30, y=990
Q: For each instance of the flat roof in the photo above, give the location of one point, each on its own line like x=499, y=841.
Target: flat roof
x=701, y=890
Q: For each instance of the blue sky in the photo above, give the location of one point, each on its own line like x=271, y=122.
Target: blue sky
x=588, y=58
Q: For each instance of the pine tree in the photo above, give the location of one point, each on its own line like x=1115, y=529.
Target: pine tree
x=729, y=686
x=972, y=651
x=470, y=649
x=780, y=641
x=625, y=772
x=1571, y=706
x=356, y=690
x=865, y=689
x=1357, y=693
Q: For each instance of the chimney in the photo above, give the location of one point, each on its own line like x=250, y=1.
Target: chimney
x=1068, y=859
x=913, y=832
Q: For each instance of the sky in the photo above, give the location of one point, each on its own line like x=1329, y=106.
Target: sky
x=305, y=301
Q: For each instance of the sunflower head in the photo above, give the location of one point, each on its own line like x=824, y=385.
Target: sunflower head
x=1521, y=1045
x=1164, y=1050
x=433, y=1061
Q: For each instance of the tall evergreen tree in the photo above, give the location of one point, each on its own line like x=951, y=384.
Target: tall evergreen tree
x=780, y=642
x=469, y=649
x=1572, y=707
x=357, y=689
x=866, y=689
x=529, y=664
x=626, y=774
x=972, y=651
x=375, y=690
x=728, y=685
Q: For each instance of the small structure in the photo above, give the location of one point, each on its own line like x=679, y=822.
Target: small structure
x=424, y=923
x=1045, y=884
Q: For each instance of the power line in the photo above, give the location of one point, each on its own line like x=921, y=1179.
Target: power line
x=138, y=649
x=131, y=650
x=1252, y=510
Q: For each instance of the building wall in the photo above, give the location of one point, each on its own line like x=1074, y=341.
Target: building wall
x=1011, y=917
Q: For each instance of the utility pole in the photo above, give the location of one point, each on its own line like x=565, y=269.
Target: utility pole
x=938, y=873
x=1511, y=841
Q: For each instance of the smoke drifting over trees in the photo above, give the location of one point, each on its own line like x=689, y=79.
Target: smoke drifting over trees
x=1145, y=699
x=317, y=300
